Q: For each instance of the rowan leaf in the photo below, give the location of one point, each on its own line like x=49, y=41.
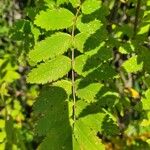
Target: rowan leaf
x=50, y=47
x=54, y=19
x=88, y=93
x=54, y=124
x=90, y=6
x=46, y=72
x=132, y=65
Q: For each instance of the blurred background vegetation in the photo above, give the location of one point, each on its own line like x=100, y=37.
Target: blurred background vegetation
x=16, y=97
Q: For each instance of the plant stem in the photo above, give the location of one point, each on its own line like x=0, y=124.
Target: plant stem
x=73, y=64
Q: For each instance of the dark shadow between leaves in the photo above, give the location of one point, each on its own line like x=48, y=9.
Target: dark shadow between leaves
x=99, y=14
x=103, y=100
x=21, y=31
x=100, y=35
x=109, y=129
x=103, y=72
x=104, y=54
x=139, y=145
x=92, y=62
x=84, y=82
x=144, y=57
x=95, y=39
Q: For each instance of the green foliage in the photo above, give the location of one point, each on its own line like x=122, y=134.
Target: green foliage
x=93, y=57
x=53, y=106
x=85, y=131
x=92, y=66
x=145, y=101
x=54, y=19
x=88, y=27
x=132, y=65
x=89, y=7
x=89, y=92
x=45, y=72
x=50, y=47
